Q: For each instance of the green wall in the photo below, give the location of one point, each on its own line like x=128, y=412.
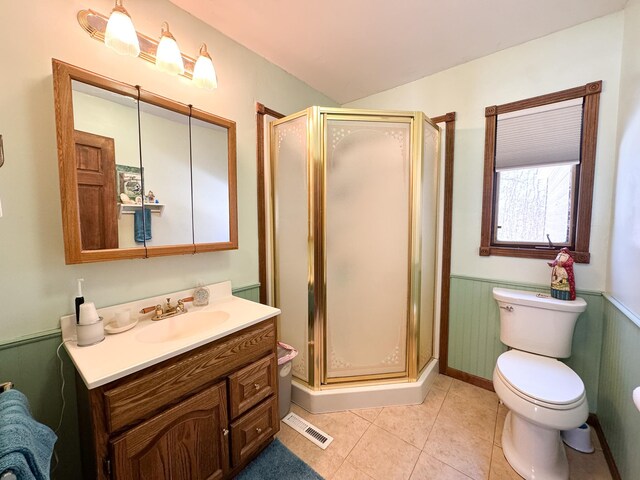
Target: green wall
x=474, y=331
x=619, y=375
x=31, y=364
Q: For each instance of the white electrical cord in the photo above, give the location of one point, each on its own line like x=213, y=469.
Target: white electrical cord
x=64, y=403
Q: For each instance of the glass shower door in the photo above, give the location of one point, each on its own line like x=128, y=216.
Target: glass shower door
x=367, y=224
x=291, y=258
x=429, y=241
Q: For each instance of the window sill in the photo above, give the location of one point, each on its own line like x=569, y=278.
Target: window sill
x=578, y=257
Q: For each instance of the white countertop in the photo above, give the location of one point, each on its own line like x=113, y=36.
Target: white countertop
x=122, y=354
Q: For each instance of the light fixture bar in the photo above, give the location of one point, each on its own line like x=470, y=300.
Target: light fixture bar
x=95, y=24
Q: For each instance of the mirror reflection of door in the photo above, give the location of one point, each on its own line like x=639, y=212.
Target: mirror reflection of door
x=96, y=170
x=102, y=114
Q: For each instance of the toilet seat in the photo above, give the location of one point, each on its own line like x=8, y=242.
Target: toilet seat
x=540, y=380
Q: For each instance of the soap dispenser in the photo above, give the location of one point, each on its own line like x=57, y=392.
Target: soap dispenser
x=201, y=295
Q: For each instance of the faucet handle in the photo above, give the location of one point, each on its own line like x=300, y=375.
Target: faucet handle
x=148, y=309
x=168, y=301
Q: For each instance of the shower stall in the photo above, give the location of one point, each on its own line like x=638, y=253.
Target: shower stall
x=352, y=237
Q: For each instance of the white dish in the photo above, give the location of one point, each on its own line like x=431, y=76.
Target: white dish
x=112, y=329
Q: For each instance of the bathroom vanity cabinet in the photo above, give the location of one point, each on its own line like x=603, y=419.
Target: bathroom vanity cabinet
x=203, y=414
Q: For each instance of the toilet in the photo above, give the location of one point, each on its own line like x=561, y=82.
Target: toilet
x=543, y=395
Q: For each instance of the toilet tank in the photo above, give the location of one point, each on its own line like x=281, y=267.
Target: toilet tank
x=537, y=323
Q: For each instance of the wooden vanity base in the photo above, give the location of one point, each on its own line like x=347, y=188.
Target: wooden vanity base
x=204, y=414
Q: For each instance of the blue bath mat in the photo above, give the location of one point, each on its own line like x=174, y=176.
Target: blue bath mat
x=277, y=462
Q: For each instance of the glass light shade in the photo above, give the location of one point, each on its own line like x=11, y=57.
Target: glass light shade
x=204, y=74
x=120, y=34
x=168, y=56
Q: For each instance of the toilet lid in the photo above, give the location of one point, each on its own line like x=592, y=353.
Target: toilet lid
x=542, y=378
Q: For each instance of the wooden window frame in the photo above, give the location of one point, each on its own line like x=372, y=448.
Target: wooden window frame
x=585, y=176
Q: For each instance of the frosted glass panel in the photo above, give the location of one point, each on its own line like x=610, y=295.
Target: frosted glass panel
x=428, y=211
x=367, y=226
x=289, y=161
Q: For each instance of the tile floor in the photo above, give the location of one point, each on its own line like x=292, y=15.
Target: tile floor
x=453, y=435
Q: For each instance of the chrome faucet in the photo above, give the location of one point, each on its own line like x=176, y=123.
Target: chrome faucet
x=167, y=310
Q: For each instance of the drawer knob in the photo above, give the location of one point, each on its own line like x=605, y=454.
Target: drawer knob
x=256, y=386
x=225, y=432
x=258, y=430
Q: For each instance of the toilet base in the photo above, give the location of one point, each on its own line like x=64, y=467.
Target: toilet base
x=536, y=453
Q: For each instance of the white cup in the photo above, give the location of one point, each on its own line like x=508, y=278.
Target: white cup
x=88, y=313
x=90, y=334
x=122, y=318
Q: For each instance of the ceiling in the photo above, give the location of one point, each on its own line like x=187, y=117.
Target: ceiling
x=349, y=49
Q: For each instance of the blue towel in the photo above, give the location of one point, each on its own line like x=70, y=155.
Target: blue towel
x=26, y=446
x=142, y=230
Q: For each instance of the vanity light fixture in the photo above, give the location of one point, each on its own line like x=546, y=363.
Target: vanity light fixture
x=168, y=56
x=204, y=73
x=163, y=53
x=120, y=35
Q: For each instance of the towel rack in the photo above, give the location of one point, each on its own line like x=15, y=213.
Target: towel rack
x=5, y=386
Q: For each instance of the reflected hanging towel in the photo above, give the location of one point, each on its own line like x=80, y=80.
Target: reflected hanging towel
x=142, y=230
x=25, y=445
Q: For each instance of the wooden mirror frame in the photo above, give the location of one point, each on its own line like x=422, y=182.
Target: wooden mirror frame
x=63, y=74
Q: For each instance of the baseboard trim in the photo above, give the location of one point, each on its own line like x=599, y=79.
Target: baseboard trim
x=613, y=468
x=470, y=378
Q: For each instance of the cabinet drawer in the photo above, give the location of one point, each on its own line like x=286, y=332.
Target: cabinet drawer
x=156, y=387
x=252, y=384
x=250, y=432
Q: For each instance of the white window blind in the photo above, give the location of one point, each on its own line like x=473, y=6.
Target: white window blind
x=540, y=136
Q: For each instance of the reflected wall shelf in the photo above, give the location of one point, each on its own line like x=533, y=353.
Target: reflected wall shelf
x=130, y=208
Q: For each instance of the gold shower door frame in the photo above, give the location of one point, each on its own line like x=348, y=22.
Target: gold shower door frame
x=317, y=118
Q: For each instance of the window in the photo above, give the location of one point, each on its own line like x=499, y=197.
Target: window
x=538, y=180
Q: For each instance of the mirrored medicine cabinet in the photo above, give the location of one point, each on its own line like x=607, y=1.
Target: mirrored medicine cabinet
x=140, y=175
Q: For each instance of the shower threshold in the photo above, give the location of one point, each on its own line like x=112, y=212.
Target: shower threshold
x=365, y=396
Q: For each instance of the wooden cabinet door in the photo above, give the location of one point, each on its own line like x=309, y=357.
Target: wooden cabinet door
x=96, y=170
x=187, y=441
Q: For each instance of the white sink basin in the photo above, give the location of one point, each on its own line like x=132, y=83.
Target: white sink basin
x=182, y=326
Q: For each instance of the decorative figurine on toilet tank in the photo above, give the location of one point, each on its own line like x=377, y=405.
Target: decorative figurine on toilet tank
x=563, y=283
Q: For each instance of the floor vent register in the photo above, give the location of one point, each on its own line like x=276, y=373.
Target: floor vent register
x=308, y=431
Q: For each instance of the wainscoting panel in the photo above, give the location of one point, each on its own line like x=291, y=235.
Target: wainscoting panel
x=252, y=292
x=31, y=364
x=474, y=331
x=619, y=375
